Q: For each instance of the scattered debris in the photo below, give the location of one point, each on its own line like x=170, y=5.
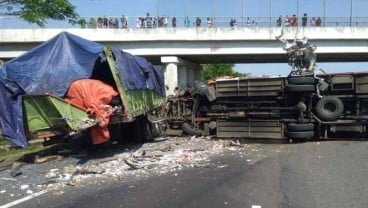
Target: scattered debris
x=47, y=183
x=17, y=165
x=159, y=157
x=24, y=187
x=93, y=169
x=4, y=148
x=8, y=179
x=16, y=173
x=236, y=143
x=40, y=160
x=6, y=166
x=132, y=165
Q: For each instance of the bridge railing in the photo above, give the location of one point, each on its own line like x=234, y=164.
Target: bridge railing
x=11, y=22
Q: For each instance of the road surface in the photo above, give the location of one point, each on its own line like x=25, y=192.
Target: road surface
x=314, y=174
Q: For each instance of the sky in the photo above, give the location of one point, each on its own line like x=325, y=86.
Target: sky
x=235, y=8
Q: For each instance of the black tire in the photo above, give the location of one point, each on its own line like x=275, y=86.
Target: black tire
x=136, y=131
x=301, y=134
x=146, y=130
x=329, y=108
x=300, y=88
x=139, y=130
x=293, y=127
x=190, y=131
x=302, y=80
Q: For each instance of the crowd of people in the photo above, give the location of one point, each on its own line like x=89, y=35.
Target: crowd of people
x=122, y=22
x=149, y=21
x=293, y=21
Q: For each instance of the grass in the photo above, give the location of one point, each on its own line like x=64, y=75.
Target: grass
x=32, y=149
x=28, y=153
x=19, y=152
x=4, y=142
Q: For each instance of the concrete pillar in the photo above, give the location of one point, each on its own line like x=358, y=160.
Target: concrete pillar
x=179, y=73
x=190, y=75
x=171, y=78
x=197, y=72
x=183, y=77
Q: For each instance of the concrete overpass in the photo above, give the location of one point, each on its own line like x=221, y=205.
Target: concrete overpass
x=182, y=49
x=204, y=45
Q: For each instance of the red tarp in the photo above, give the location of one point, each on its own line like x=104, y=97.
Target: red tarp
x=94, y=96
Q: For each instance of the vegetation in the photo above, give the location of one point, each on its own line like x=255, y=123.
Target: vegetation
x=211, y=71
x=4, y=142
x=38, y=11
x=18, y=152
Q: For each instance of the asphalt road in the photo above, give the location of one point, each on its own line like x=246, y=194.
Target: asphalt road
x=315, y=174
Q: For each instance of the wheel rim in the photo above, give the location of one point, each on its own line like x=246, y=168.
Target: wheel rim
x=329, y=108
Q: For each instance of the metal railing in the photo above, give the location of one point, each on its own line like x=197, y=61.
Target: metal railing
x=11, y=22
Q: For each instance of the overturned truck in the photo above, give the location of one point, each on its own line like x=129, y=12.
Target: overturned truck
x=283, y=107
x=69, y=85
x=304, y=105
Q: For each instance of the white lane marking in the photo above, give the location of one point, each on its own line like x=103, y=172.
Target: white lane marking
x=23, y=199
x=256, y=206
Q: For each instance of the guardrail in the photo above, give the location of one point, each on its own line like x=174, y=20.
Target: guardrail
x=11, y=22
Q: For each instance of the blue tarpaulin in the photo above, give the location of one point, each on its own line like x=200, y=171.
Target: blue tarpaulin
x=137, y=73
x=52, y=66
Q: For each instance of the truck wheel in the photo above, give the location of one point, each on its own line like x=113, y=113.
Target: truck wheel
x=300, y=127
x=140, y=130
x=329, y=108
x=190, y=131
x=301, y=80
x=146, y=130
x=300, y=88
x=301, y=134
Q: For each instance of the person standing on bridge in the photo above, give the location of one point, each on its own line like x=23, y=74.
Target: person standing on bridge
x=209, y=22
x=138, y=22
x=165, y=21
x=279, y=21
x=148, y=20
x=287, y=21
x=187, y=22
x=174, y=22
x=124, y=22
x=304, y=20
x=318, y=21
x=198, y=22
x=248, y=22
x=313, y=21
x=233, y=23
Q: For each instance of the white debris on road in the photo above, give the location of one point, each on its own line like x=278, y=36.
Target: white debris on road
x=162, y=156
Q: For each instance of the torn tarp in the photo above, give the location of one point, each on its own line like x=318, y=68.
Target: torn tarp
x=137, y=73
x=11, y=120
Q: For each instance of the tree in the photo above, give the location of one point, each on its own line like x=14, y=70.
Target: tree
x=38, y=11
x=211, y=71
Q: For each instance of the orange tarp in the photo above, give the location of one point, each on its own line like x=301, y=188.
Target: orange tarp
x=94, y=96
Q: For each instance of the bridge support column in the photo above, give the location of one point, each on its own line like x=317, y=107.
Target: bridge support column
x=179, y=73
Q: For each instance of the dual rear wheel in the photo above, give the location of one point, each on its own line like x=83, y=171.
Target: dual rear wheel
x=300, y=131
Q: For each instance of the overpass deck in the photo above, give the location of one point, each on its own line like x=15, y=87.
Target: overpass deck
x=204, y=45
